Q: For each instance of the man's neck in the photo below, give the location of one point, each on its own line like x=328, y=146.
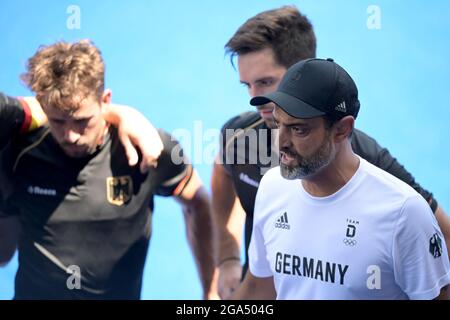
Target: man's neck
x=103, y=136
x=333, y=177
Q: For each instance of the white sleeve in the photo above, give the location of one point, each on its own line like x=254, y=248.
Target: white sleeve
x=258, y=264
x=421, y=263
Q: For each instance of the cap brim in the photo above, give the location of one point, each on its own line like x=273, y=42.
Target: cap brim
x=291, y=105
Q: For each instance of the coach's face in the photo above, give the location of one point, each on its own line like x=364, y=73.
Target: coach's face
x=306, y=145
x=81, y=131
x=259, y=72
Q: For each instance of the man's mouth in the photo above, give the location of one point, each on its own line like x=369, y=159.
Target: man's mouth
x=287, y=158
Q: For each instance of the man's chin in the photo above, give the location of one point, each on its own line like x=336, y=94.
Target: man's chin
x=76, y=153
x=267, y=116
x=291, y=173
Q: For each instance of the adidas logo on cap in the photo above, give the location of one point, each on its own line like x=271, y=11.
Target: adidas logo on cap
x=341, y=107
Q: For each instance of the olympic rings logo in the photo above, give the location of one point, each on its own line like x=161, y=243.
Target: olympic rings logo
x=349, y=242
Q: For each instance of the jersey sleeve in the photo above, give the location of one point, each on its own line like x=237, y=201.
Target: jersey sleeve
x=13, y=118
x=259, y=265
x=421, y=263
x=173, y=171
x=369, y=149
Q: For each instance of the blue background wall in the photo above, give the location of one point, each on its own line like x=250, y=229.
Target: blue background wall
x=167, y=59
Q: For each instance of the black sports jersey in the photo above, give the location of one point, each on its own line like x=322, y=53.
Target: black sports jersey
x=92, y=213
x=238, y=158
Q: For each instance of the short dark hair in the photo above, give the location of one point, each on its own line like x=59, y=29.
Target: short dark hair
x=285, y=30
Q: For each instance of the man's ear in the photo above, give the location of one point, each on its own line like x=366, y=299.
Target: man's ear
x=106, y=96
x=344, y=128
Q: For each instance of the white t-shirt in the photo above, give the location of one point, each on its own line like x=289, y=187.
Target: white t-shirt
x=375, y=238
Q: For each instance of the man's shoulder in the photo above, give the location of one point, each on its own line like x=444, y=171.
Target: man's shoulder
x=31, y=140
x=386, y=183
x=171, y=147
x=166, y=137
x=244, y=121
x=362, y=137
x=38, y=134
x=271, y=180
x=239, y=126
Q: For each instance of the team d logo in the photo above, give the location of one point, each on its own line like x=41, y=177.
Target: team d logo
x=350, y=233
x=435, y=246
x=119, y=190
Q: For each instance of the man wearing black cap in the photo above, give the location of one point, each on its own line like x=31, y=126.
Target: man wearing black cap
x=265, y=46
x=327, y=223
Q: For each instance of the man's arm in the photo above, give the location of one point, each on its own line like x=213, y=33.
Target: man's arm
x=135, y=131
x=229, y=220
x=421, y=264
x=11, y=118
x=15, y=117
x=176, y=177
x=9, y=235
x=445, y=294
x=369, y=149
x=254, y=288
x=444, y=223
x=199, y=228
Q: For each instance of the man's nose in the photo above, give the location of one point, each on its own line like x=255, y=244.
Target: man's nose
x=71, y=136
x=284, y=138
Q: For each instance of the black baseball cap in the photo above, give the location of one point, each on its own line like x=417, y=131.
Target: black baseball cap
x=312, y=88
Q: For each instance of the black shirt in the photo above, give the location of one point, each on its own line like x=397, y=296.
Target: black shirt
x=247, y=154
x=92, y=213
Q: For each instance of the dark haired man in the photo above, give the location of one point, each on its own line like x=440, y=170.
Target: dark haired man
x=266, y=45
x=327, y=223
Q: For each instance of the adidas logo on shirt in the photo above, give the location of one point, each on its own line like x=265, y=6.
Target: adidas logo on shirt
x=282, y=222
x=341, y=107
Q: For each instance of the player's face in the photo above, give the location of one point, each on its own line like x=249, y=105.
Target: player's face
x=306, y=145
x=79, y=133
x=259, y=72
